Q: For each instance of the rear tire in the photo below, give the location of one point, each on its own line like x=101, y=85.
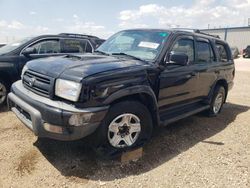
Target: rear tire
x=4, y=89
x=127, y=125
x=217, y=101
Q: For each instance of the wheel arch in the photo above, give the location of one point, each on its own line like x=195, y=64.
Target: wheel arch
x=223, y=83
x=6, y=78
x=142, y=94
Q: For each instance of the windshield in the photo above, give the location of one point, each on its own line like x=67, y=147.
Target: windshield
x=12, y=46
x=142, y=44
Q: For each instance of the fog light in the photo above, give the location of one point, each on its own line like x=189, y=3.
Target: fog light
x=53, y=128
x=80, y=119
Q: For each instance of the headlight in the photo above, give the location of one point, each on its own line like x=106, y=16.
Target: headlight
x=68, y=89
x=25, y=68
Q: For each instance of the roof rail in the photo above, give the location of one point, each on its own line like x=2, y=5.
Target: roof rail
x=196, y=31
x=77, y=35
x=216, y=36
x=185, y=29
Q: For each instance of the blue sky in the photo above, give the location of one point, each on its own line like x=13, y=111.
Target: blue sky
x=20, y=18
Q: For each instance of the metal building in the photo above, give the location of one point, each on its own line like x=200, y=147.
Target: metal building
x=235, y=36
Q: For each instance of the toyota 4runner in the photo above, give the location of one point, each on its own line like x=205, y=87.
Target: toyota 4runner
x=135, y=81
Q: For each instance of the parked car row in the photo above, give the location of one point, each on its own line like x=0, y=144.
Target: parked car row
x=246, y=52
x=235, y=52
x=14, y=56
x=135, y=81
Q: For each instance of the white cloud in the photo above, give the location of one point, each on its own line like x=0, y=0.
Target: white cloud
x=91, y=28
x=75, y=16
x=3, y=23
x=199, y=15
x=32, y=13
x=15, y=25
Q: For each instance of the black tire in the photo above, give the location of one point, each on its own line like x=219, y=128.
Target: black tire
x=4, y=89
x=102, y=145
x=219, y=91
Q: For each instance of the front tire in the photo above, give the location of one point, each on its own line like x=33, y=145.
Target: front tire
x=217, y=101
x=127, y=125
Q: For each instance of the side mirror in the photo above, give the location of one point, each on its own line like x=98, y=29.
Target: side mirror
x=178, y=58
x=29, y=51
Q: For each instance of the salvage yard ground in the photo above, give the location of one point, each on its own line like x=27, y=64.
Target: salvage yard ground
x=195, y=152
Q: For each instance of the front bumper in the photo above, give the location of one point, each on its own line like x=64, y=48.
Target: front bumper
x=53, y=119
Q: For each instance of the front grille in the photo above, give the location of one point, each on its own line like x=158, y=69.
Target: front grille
x=38, y=83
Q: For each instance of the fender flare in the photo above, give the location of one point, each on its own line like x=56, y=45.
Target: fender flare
x=139, y=89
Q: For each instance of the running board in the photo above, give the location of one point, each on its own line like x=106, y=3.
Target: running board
x=186, y=111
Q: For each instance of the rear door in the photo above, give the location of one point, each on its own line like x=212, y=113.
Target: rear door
x=206, y=66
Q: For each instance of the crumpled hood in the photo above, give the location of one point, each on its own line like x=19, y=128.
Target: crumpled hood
x=79, y=67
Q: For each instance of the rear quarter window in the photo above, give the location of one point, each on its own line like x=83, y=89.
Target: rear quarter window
x=222, y=52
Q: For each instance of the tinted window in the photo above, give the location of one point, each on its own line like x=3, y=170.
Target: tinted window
x=185, y=46
x=47, y=47
x=74, y=46
x=223, y=56
x=204, y=52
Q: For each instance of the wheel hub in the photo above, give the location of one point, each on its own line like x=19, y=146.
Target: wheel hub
x=218, y=103
x=124, y=130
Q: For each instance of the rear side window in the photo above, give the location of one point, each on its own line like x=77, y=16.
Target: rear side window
x=75, y=46
x=223, y=54
x=185, y=46
x=204, y=52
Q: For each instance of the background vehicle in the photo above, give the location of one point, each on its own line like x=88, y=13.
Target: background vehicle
x=1, y=45
x=137, y=80
x=235, y=52
x=246, y=52
x=15, y=55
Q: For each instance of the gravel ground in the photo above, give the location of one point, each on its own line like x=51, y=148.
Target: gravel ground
x=194, y=152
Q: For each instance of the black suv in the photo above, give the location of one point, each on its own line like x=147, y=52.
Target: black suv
x=15, y=55
x=246, y=52
x=135, y=81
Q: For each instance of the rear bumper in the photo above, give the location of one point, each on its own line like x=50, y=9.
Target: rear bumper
x=53, y=119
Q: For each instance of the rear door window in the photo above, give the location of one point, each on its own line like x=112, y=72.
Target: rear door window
x=204, y=52
x=223, y=54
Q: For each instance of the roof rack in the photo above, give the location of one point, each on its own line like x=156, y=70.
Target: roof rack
x=77, y=35
x=196, y=31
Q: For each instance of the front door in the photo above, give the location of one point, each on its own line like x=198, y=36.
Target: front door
x=178, y=82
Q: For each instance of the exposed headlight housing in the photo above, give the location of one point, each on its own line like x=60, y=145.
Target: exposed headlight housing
x=25, y=68
x=68, y=89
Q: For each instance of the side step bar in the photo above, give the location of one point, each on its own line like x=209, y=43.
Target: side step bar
x=175, y=115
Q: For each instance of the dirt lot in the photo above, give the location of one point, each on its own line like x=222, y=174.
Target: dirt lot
x=194, y=152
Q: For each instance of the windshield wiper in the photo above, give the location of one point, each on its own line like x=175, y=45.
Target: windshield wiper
x=101, y=52
x=128, y=55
